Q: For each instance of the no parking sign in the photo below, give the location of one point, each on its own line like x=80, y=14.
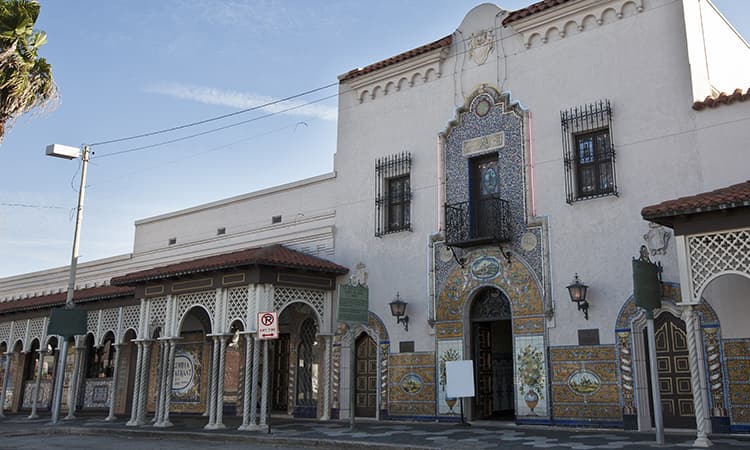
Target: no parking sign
x=268, y=325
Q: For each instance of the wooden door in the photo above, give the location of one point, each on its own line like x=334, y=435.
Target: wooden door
x=366, y=375
x=672, y=361
x=483, y=367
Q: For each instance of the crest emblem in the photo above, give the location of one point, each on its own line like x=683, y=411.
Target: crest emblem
x=481, y=45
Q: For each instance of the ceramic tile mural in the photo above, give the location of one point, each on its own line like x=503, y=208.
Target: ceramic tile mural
x=531, y=377
x=96, y=392
x=585, y=383
x=737, y=364
x=45, y=395
x=447, y=351
x=411, y=385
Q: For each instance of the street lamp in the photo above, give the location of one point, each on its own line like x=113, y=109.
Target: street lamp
x=68, y=321
x=577, y=291
x=398, y=310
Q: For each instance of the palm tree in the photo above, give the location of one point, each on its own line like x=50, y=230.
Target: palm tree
x=26, y=82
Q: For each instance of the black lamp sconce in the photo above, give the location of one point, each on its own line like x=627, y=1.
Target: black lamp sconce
x=398, y=310
x=577, y=291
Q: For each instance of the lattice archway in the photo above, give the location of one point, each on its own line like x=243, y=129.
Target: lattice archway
x=711, y=255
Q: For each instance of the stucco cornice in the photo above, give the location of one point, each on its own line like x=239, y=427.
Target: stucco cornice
x=571, y=18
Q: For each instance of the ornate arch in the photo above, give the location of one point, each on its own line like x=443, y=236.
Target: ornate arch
x=181, y=319
x=630, y=323
x=489, y=268
x=376, y=330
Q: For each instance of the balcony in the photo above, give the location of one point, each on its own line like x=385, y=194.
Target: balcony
x=478, y=222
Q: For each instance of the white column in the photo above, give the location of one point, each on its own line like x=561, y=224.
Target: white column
x=5, y=383
x=144, y=382
x=75, y=378
x=220, y=383
x=253, y=425
x=263, y=425
x=113, y=389
x=246, y=387
x=327, y=378
x=37, y=384
x=701, y=418
x=214, y=374
x=160, y=382
x=168, y=382
x=137, y=385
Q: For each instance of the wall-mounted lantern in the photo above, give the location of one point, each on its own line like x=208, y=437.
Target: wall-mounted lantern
x=398, y=310
x=577, y=291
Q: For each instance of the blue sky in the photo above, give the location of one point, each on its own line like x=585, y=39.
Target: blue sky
x=128, y=67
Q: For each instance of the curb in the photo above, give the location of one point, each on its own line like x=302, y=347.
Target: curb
x=246, y=438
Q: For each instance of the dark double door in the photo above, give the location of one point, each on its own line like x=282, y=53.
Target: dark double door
x=366, y=377
x=673, y=364
x=493, y=358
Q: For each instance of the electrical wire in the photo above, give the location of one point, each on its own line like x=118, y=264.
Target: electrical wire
x=212, y=119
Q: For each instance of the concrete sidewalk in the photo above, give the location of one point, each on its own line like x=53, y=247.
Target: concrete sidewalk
x=368, y=434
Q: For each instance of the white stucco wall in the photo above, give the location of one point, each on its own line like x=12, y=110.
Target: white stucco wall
x=729, y=295
x=718, y=55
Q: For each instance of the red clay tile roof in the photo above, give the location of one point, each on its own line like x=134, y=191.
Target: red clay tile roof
x=80, y=296
x=735, y=196
x=722, y=99
x=273, y=255
x=531, y=10
x=440, y=43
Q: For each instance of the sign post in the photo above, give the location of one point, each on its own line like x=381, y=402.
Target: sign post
x=459, y=382
x=353, y=309
x=647, y=294
x=268, y=329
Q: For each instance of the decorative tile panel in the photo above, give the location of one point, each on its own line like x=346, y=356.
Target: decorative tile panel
x=585, y=383
x=96, y=392
x=447, y=351
x=737, y=366
x=531, y=377
x=411, y=384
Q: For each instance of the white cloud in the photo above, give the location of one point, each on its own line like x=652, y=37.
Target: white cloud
x=241, y=100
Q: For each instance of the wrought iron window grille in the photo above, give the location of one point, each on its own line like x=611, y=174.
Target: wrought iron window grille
x=393, y=194
x=588, y=151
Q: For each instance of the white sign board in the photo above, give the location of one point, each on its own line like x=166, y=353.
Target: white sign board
x=268, y=325
x=459, y=379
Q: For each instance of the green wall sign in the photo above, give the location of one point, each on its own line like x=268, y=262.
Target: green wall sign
x=353, y=304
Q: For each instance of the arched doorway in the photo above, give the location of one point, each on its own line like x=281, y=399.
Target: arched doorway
x=366, y=377
x=492, y=352
x=192, y=357
x=129, y=358
x=297, y=362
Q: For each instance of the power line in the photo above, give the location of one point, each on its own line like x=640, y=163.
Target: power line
x=214, y=130
x=27, y=205
x=212, y=119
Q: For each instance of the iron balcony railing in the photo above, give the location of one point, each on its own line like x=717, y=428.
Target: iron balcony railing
x=477, y=222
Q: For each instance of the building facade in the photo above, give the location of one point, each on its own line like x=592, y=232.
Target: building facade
x=476, y=178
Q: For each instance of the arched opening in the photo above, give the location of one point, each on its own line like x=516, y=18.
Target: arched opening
x=129, y=361
x=492, y=352
x=191, y=363
x=296, y=362
x=31, y=364
x=4, y=374
x=366, y=377
x=728, y=295
x=234, y=370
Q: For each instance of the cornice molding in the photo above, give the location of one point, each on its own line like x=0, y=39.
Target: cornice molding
x=409, y=73
x=573, y=18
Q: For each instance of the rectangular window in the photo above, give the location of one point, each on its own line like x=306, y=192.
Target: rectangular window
x=393, y=194
x=588, y=152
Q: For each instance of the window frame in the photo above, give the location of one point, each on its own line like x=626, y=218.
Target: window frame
x=588, y=121
x=388, y=171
